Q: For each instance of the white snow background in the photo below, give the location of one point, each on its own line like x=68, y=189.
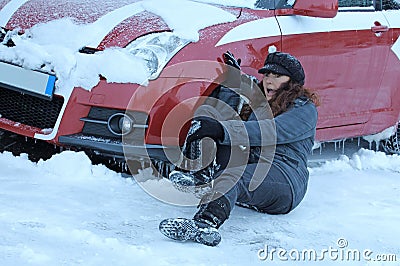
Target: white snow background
x=66, y=211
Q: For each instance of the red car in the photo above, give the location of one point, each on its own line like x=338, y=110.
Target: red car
x=350, y=51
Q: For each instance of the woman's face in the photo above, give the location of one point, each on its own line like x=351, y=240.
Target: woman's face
x=272, y=82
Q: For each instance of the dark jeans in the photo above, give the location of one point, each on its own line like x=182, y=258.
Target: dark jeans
x=236, y=179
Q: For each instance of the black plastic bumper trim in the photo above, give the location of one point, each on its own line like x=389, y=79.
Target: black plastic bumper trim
x=115, y=149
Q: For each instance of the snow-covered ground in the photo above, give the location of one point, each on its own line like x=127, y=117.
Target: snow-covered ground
x=66, y=211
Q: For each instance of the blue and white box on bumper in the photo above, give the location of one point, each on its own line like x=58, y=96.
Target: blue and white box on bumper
x=27, y=81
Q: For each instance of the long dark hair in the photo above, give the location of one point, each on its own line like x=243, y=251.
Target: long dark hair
x=284, y=97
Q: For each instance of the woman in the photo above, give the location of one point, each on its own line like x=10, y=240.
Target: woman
x=274, y=183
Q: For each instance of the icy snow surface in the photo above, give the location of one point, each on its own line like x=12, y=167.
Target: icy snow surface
x=65, y=211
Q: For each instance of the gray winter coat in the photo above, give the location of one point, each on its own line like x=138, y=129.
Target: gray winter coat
x=292, y=133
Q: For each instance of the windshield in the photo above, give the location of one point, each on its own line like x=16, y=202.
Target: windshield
x=372, y=4
x=274, y=4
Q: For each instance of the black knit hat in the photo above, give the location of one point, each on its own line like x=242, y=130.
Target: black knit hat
x=284, y=64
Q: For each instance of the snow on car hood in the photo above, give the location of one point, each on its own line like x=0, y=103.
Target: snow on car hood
x=57, y=31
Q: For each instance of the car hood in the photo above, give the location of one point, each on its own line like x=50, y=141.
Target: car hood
x=116, y=22
x=58, y=37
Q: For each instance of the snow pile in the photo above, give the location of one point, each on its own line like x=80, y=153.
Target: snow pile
x=189, y=18
x=66, y=211
x=43, y=47
x=362, y=160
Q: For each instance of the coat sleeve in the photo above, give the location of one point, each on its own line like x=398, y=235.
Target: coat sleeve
x=293, y=125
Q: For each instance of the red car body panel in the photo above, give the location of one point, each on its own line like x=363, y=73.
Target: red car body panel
x=40, y=11
x=354, y=72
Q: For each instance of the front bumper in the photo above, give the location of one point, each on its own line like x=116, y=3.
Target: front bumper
x=119, y=151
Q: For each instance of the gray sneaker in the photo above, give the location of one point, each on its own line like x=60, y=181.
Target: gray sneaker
x=190, y=183
x=182, y=229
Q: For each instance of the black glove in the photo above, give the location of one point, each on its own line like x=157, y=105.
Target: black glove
x=230, y=60
x=231, y=76
x=205, y=127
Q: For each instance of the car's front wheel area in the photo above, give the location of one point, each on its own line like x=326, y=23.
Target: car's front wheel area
x=392, y=144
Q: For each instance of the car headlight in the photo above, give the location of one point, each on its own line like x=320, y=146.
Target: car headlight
x=156, y=49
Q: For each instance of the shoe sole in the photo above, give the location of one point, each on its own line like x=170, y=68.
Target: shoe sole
x=181, y=181
x=186, y=184
x=182, y=229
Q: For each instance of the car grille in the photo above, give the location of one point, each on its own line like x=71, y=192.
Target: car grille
x=3, y=33
x=29, y=110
